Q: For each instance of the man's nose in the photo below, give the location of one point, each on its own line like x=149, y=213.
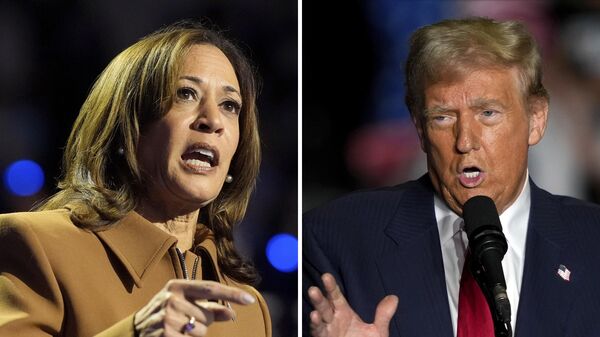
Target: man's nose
x=467, y=135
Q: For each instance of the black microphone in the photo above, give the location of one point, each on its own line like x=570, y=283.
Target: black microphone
x=488, y=246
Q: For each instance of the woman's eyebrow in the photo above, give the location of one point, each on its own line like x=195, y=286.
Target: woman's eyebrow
x=194, y=79
x=198, y=80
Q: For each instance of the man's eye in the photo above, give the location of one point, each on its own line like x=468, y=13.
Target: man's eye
x=489, y=113
x=441, y=119
x=186, y=94
x=231, y=106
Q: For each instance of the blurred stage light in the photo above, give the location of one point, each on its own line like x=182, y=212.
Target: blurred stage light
x=282, y=252
x=24, y=178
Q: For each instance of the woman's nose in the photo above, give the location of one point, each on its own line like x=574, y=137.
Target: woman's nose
x=209, y=119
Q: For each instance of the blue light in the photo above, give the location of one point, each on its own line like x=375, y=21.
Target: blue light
x=282, y=252
x=24, y=177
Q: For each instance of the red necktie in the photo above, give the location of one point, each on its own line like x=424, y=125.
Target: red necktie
x=474, y=317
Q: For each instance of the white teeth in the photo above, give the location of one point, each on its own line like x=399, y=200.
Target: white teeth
x=205, y=152
x=196, y=162
x=472, y=175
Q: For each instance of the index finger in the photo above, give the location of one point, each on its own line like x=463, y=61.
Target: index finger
x=194, y=290
x=334, y=293
x=220, y=312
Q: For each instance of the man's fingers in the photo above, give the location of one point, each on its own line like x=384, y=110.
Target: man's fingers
x=384, y=313
x=334, y=293
x=317, y=326
x=315, y=320
x=321, y=304
x=209, y=290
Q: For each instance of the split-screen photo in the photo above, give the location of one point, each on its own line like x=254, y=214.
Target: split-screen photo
x=316, y=169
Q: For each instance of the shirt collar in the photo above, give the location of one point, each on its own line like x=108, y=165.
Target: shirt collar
x=448, y=222
x=514, y=219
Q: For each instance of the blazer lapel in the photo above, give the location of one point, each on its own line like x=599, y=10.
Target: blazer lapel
x=137, y=244
x=545, y=296
x=410, y=266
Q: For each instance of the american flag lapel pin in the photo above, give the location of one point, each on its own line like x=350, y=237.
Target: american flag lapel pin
x=564, y=272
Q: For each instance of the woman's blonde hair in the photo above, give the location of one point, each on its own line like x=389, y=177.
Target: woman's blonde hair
x=101, y=175
x=451, y=48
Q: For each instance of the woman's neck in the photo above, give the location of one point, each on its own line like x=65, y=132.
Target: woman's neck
x=182, y=225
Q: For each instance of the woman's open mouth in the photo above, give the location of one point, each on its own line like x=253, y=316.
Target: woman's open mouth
x=201, y=157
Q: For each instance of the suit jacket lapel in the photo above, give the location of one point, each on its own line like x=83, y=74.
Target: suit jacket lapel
x=545, y=296
x=410, y=266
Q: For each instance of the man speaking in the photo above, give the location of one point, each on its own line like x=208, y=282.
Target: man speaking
x=418, y=259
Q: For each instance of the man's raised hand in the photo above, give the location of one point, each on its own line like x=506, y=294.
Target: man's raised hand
x=333, y=316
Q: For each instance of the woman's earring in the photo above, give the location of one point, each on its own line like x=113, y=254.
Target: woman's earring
x=229, y=179
x=120, y=151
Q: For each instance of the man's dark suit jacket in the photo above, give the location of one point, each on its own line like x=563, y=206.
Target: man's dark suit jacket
x=385, y=241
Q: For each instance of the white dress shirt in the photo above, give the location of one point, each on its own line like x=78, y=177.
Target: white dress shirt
x=454, y=242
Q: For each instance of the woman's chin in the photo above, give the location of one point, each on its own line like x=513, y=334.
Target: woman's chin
x=196, y=201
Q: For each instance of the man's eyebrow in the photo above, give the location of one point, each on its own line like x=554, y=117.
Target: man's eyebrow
x=486, y=103
x=436, y=109
x=476, y=103
x=198, y=80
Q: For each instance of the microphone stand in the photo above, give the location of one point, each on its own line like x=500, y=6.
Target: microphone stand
x=500, y=309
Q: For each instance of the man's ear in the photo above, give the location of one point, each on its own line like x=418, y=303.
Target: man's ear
x=538, y=119
x=419, y=125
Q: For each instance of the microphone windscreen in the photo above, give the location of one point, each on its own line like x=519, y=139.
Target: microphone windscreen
x=480, y=211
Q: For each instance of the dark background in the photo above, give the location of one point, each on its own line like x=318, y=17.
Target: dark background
x=52, y=51
x=356, y=128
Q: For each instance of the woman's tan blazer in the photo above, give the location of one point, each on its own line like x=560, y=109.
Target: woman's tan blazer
x=59, y=280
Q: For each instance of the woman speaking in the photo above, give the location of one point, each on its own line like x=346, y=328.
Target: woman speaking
x=138, y=241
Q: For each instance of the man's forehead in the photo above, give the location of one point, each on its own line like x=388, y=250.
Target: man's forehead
x=481, y=88
x=476, y=102
x=457, y=73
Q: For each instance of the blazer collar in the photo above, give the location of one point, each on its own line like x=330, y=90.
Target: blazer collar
x=137, y=243
x=207, y=251
x=415, y=215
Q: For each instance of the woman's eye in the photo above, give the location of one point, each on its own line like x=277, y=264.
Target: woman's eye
x=231, y=106
x=186, y=94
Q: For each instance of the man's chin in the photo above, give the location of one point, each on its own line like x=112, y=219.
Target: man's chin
x=455, y=201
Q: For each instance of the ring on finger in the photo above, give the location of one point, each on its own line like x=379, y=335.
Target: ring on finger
x=189, y=326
